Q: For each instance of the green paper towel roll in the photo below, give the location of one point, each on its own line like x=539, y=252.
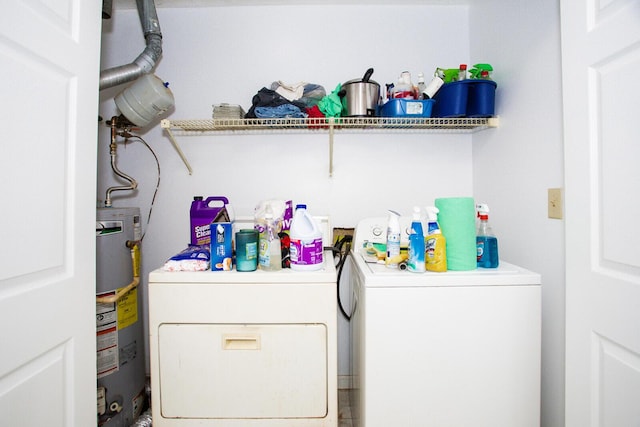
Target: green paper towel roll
x=457, y=219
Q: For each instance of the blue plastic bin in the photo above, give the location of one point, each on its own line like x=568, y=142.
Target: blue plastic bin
x=451, y=99
x=481, y=100
x=407, y=108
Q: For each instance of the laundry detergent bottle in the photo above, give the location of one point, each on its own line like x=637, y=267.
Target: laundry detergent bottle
x=305, y=250
x=435, y=257
x=416, y=263
x=486, y=241
x=393, y=257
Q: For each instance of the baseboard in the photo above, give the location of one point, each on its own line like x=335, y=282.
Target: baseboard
x=344, y=382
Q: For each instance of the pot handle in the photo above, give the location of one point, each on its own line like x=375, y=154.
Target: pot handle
x=367, y=75
x=342, y=93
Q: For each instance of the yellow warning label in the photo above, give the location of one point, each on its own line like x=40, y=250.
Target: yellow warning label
x=128, y=309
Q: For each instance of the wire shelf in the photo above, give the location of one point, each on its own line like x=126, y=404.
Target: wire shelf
x=331, y=125
x=384, y=124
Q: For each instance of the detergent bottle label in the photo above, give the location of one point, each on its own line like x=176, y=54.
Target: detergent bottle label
x=306, y=252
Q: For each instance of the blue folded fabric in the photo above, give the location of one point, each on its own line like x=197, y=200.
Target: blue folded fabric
x=280, y=111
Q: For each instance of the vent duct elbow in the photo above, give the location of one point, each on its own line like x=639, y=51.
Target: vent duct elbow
x=147, y=60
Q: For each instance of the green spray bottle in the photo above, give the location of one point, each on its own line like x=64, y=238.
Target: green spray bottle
x=477, y=71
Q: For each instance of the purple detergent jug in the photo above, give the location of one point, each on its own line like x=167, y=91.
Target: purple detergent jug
x=203, y=211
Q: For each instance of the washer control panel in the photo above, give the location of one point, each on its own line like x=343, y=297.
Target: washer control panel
x=374, y=230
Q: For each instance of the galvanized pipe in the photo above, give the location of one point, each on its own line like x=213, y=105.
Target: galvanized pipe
x=107, y=8
x=146, y=61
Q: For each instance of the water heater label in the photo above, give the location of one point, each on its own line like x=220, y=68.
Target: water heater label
x=106, y=337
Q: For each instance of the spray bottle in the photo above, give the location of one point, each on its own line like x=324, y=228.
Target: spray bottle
x=416, y=244
x=486, y=241
x=479, y=70
x=435, y=243
x=448, y=75
x=393, y=240
x=270, y=255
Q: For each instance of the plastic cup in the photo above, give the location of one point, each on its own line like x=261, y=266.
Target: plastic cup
x=246, y=250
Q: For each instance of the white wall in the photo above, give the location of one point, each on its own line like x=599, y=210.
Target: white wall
x=516, y=164
x=226, y=54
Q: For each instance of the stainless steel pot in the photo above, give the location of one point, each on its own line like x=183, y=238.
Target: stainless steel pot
x=360, y=96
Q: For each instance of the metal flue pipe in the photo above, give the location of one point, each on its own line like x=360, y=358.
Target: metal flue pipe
x=146, y=61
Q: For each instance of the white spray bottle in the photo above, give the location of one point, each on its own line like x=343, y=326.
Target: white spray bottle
x=393, y=240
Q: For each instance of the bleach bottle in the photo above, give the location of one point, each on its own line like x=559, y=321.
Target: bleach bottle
x=416, y=244
x=305, y=250
x=486, y=241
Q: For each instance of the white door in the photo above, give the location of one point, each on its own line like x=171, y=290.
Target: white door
x=601, y=85
x=49, y=69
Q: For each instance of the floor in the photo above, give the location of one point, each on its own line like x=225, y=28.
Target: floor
x=344, y=409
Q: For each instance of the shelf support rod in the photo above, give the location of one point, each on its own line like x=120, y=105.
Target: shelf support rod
x=331, y=121
x=166, y=125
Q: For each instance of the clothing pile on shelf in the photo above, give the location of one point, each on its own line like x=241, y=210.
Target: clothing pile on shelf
x=283, y=100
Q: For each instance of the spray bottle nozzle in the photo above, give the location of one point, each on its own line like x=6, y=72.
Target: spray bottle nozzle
x=482, y=207
x=477, y=70
x=416, y=213
x=483, y=210
x=448, y=74
x=432, y=213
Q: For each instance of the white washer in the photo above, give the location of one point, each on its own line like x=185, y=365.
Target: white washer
x=244, y=349
x=453, y=349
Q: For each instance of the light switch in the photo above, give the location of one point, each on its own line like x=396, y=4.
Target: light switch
x=555, y=203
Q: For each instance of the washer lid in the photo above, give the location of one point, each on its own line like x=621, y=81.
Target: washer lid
x=378, y=275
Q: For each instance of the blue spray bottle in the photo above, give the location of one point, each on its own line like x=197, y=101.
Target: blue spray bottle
x=416, y=244
x=486, y=241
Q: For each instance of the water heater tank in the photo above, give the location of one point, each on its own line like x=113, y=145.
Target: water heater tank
x=121, y=374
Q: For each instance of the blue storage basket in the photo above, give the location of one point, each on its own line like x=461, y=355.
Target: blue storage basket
x=466, y=98
x=451, y=99
x=481, y=101
x=407, y=108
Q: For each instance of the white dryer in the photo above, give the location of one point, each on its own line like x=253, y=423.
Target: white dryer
x=453, y=349
x=244, y=349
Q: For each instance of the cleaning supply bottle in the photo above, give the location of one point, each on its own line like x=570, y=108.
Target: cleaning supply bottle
x=270, y=251
x=203, y=211
x=481, y=71
x=422, y=86
x=404, y=87
x=393, y=257
x=486, y=241
x=434, y=85
x=416, y=261
x=462, y=72
x=435, y=243
x=305, y=247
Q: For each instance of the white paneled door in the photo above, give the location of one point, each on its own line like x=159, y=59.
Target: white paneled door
x=49, y=68
x=601, y=94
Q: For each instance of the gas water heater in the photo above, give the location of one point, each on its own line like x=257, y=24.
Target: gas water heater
x=120, y=354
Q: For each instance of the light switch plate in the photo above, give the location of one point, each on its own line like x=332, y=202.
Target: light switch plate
x=555, y=203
